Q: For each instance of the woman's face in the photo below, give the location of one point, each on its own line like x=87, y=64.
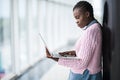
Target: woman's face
x=81, y=17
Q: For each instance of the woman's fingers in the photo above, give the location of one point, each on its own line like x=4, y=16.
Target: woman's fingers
x=67, y=53
x=48, y=53
x=62, y=53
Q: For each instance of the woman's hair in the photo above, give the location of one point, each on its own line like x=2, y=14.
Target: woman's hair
x=84, y=6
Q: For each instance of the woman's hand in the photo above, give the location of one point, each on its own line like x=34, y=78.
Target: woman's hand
x=68, y=53
x=48, y=53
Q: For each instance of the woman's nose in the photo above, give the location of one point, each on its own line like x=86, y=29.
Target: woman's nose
x=77, y=21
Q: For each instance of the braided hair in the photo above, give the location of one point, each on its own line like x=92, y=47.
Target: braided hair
x=84, y=6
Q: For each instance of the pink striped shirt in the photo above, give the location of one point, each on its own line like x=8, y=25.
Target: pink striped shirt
x=88, y=50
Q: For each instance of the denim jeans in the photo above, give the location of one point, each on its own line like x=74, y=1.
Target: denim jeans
x=85, y=76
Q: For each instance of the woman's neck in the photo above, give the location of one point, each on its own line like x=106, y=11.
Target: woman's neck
x=90, y=19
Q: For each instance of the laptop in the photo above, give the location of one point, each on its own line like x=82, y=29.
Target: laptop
x=57, y=55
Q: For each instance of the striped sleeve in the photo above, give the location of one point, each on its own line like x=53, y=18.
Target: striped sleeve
x=85, y=52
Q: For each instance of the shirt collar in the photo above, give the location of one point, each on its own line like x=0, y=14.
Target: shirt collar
x=84, y=28
x=92, y=22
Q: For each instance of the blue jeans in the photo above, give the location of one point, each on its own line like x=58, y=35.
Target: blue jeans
x=85, y=76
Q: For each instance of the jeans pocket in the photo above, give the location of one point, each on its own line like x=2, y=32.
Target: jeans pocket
x=86, y=74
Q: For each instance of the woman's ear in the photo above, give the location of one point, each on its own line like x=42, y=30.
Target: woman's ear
x=87, y=14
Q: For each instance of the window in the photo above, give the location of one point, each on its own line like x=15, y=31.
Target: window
x=22, y=17
x=5, y=36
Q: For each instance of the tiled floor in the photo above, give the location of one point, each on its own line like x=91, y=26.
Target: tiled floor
x=57, y=72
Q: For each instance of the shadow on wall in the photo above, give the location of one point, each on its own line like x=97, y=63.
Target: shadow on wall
x=106, y=44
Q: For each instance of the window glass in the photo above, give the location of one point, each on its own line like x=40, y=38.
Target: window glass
x=5, y=37
x=42, y=24
x=34, y=31
x=23, y=32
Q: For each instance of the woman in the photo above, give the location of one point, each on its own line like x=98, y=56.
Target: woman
x=87, y=48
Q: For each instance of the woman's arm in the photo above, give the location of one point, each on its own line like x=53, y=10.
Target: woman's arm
x=66, y=53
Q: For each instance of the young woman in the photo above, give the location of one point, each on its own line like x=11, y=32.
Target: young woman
x=88, y=48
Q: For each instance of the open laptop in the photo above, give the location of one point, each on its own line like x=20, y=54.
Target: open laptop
x=57, y=55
